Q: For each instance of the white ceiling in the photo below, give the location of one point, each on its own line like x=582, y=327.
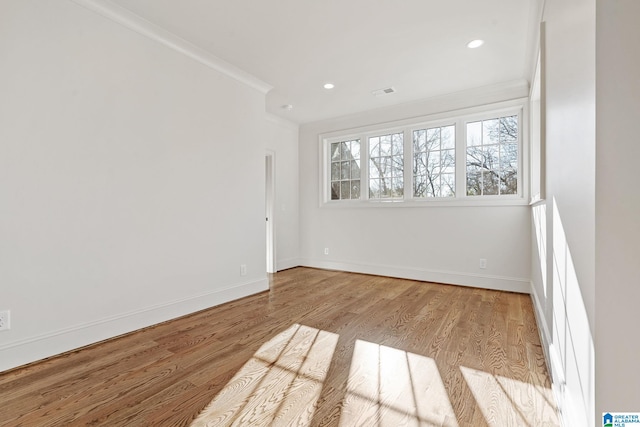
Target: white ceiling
x=416, y=46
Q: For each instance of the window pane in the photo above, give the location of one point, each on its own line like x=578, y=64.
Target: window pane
x=374, y=188
x=430, y=190
x=489, y=183
x=475, y=157
x=439, y=157
x=495, y=155
x=345, y=167
x=419, y=140
x=436, y=186
x=419, y=164
x=355, y=189
x=344, y=151
x=335, y=151
x=419, y=185
x=433, y=162
x=474, y=181
x=397, y=142
x=448, y=185
x=490, y=131
x=433, y=139
x=398, y=187
x=385, y=145
x=509, y=129
x=374, y=169
x=474, y=134
x=448, y=161
x=396, y=171
x=509, y=156
x=374, y=147
x=509, y=182
x=345, y=170
x=385, y=166
x=355, y=149
x=355, y=169
x=344, y=189
x=335, y=171
x=491, y=157
x=335, y=190
x=385, y=188
x=448, y=137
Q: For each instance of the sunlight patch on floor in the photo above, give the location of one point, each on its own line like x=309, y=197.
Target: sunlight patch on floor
x=280, y=385
x=391, y=387
x=508, y=402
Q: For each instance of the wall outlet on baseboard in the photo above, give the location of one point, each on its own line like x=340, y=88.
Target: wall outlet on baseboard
x=243, y=269
x=483, y=263
x=5, y=320
x=326, y=251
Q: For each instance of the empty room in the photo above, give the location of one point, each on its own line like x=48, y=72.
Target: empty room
x=319, y=213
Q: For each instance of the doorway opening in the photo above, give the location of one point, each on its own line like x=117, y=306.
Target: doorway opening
x=269, y=198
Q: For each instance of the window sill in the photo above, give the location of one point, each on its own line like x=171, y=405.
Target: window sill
x=434, y=203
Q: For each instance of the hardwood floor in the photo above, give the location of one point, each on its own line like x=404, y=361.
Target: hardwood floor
x=322, y=348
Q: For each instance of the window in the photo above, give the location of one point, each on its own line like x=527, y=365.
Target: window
x=386, y=169
x=463, y=158
x=434, y=160
x=345, y=170
x=492, y=156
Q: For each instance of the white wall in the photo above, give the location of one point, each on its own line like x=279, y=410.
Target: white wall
x=617, y=206
x=282, y=140
x=131, y=181
x=442, y=244
x=563, y=253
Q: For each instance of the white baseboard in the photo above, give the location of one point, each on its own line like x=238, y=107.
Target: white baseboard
x=551, y=356
x=545, y=334
x=501, y=283
x=39, y=347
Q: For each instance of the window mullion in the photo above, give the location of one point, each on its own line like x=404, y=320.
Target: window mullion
x=364, y=167
x=461, y=160
x=407, y=163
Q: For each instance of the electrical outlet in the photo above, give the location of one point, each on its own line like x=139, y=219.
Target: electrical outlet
x=326, y=251
x=483, y=263
x=5, y=320
x=243, y=269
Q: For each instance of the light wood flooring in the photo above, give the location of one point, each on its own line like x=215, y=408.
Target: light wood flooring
x=321, y=348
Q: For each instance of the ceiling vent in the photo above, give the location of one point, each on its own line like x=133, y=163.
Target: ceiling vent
x=385, y=91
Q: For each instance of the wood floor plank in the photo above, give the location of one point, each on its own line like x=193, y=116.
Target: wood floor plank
x=321, y=348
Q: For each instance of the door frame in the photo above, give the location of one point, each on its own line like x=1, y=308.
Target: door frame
x=270, y=197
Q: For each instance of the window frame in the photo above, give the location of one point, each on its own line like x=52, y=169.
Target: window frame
x=459, y=118
x=491, y=116
x=430, y=125
x=367, y=178
x=339, y=162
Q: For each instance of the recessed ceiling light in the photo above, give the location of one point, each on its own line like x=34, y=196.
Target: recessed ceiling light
x=475, y=43
x=329, y=86
x=287, y=107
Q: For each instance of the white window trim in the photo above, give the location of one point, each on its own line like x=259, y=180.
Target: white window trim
x=459, y=118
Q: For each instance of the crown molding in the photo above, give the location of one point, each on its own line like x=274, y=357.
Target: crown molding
x=141, y=26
